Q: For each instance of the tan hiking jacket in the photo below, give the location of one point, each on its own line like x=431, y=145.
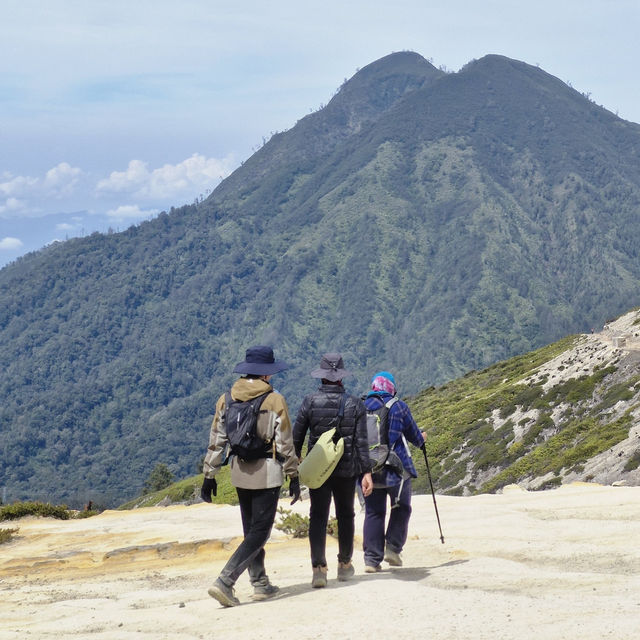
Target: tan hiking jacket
x=273, y=423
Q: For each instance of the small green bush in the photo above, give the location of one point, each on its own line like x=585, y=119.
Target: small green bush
x=615, y=394
x=297, y=525
x=292, y=523
x=528, y=396
x=332, y=527
x=633, y=462
x=490, y=455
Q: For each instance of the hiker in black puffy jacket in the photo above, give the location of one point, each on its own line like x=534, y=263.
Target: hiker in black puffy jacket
x=317, y=414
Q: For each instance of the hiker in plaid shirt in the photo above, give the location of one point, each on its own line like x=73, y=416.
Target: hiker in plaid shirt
x=382, y=543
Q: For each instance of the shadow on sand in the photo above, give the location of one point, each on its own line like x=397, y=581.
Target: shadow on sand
x=407, y=574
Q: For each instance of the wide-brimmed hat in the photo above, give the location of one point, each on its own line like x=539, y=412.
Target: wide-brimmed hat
x=259, y=361
x=331, y=368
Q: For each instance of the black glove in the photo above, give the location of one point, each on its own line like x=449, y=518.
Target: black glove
x=209, y=488
x=294, y=489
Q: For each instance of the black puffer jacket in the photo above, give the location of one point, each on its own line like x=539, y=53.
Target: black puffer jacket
x=317, y=414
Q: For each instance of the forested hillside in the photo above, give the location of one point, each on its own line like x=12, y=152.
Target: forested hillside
x=423, y=222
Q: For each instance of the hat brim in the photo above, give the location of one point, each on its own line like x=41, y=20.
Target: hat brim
x=330, y=374
x=261, y=368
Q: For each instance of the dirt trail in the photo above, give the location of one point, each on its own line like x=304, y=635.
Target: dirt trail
x=554, y=564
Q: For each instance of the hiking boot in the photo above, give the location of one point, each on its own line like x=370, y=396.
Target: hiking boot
x=319, y=579
x=223, y=594
x=392, y=557
x=368, y=568
x=264, y=591
x=345, y=571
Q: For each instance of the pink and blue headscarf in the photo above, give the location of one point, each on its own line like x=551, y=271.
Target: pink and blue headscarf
x=384, y=382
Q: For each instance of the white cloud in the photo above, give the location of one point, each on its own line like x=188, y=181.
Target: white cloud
x=65, y=226
x=25, y=193
x=10, y=243
x=17, y=185
x=185, y=179
x=130, y=180
x=12, y=205
x=130, y=212
x=62, y=179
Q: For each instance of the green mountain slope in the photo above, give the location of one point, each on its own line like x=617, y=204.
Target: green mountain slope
x=422, y=222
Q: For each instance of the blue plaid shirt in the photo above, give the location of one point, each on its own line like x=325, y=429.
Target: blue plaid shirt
x=401, y=423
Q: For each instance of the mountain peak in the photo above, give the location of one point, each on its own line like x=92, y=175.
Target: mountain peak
x=379, y=85
x=361, y=100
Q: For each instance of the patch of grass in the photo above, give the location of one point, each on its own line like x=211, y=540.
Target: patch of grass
x=6, y=535
x=528, y=396
x=515, y=450
x=454, y=474
x=455, y=415
x=41, y=509
x=553, y=483
x=80, y=515
x=575, y=444
x=490, y=455
x=531, y=436
x=579, y=389
x=633, y=462
x=479, y=435
x=623, y=391
x=187, y=489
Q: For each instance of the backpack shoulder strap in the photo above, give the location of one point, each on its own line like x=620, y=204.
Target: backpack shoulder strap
x=256, y=402
x=379, y=399
x=343, y=399
x=228, y=400
x=339, y=416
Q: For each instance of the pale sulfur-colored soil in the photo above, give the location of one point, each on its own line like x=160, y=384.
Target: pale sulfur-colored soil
x=562, y=564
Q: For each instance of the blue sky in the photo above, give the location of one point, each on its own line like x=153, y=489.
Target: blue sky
x=112, y=111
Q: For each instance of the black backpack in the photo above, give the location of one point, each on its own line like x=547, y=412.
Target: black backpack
x=240, y=419
x=378, y=438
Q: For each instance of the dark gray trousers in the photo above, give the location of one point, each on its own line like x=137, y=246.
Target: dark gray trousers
x=258, y=511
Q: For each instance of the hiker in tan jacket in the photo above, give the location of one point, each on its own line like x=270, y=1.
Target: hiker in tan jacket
x=257, y=481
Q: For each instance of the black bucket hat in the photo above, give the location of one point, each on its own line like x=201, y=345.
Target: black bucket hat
x=259, y=361
x=331, y=368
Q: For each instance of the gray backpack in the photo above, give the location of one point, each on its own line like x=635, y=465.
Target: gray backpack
x=380, y=454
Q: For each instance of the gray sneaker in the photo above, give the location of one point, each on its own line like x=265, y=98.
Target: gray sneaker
x=392, y=557
x=223, y=594
x=264, y=591
x=345, y=571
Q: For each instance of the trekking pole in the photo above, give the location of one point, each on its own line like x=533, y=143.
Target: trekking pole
x=433, y=494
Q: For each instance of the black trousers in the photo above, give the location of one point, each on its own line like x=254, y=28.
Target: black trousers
x=258, y=511
x=343, y=492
